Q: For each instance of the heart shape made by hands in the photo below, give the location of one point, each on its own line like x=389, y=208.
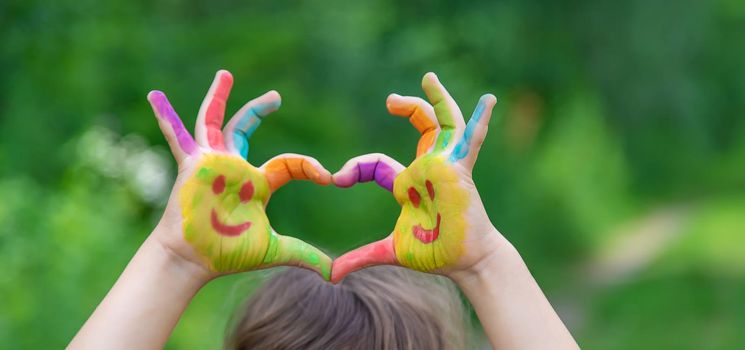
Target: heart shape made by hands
x=222, y=197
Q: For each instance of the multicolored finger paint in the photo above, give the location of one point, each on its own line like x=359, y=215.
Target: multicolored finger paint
x=223, y=200
x=430, y=232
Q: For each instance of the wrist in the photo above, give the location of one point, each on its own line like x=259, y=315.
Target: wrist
x=497, y=263
x=510, y=305
x=172, y=262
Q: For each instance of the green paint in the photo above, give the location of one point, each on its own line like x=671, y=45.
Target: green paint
x=273, y=249
x=314, y=259
x=204, y=173
x=443, y=139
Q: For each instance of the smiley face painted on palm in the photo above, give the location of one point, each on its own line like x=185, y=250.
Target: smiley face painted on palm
x=430, y=230
x=223, y=210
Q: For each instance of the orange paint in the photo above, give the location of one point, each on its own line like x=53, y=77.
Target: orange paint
x=281, y=170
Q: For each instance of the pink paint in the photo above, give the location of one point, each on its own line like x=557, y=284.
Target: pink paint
x=228, y=230
x=376, y=253
x=216, y=111
x=427, y=236
x=246, y=192
x=414, y=197
x=218, y=185
x=430, y=190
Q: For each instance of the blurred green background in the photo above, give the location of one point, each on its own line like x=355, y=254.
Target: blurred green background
x=615, y=161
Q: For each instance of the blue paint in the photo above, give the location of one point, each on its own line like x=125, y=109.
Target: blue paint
x=249, y=122
x=463, y=147
x=241, y=144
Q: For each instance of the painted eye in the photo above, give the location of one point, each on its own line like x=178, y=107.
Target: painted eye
x=218, y=185
x=414, y=197
x=247, y=192
x=430, y=190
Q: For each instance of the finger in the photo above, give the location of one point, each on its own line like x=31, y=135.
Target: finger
x=420, y=114
x=179, y=139
x=447, y=111
x=243, y=124
x=285, y=167
x=469, y=145
x=290, y=251
x=376, y=166
x=376, y=253
x=209, y=120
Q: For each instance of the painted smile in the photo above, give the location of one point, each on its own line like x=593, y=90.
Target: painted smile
x=427, y=236
x=234, y=230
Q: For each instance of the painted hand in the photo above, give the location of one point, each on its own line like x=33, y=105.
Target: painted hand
x=216, y=214
x=443, y=226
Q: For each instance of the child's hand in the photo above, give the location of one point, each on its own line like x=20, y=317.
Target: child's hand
x=443, y=226
x=215, y=216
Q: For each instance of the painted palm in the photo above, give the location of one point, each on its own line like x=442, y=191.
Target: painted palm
x=442, y=219
x=219, y=198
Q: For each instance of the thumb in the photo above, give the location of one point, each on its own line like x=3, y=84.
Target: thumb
x=376, y=253
x=290, y=251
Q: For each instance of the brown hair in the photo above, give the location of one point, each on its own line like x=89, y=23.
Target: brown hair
x=382, y=307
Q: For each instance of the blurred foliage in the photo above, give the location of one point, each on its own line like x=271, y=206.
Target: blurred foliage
x=609, y=111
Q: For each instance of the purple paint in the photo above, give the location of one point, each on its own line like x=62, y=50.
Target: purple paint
x=384, y=176
x=165, y=111
x=366, y=171
x=382, y=173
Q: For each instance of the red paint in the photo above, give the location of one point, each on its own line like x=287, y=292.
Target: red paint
x=427, y=236
x=247, y=192
x=218, y=185
x=430, y=190
x=216, y=111
x=414, y=197
x=228, y=230
x=376, y=253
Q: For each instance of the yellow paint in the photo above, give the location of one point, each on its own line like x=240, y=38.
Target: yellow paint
x=450, y=201
x=197, y=199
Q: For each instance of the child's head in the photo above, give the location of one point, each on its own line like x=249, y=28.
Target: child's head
x=377, y=308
